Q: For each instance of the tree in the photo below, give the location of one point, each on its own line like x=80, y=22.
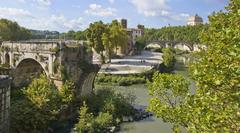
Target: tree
x=107, y=44
x=140, y=43
x=216, y=73
x=169, y=58
x=67, y=92
x=11, y=31
x=118, y=35
x=168, y=92
x=215, y=105
x=38, y=104
x=94, y=35
x=86, y=120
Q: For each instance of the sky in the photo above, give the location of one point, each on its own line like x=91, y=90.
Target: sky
x=64, y=15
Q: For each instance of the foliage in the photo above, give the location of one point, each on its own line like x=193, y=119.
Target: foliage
x=215, y=105
x=94, y=36
x=168, y=92
x=169, y=58
x=67, y=92
x=102, y=121
x=42, y=93
x=140, y=43
x=120, y=80
x=188, y=34
x=86, y=120
x=105, y=37
x=11, y=31
x=103, y=110
x=64, y=74
x=38, y=105
x=115, y=37
x=74, y=35
x=33, y=108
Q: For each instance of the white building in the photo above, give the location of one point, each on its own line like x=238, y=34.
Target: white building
x=195, y=20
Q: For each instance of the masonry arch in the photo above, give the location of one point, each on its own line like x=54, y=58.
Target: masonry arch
x=26, y=70
x=182, y=46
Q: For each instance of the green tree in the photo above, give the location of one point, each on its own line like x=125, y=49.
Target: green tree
x=86, y=120
x=11, y=31
x=94, y=36
x=169, y=58
x=118, y=35
x=140, y=43
x=215, y=105
x=216, y=73
x=168, y=92
x=107, y=44
x=102, y=122
x=67, y=92
x=37, y=105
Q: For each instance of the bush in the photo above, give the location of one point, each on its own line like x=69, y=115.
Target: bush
x=102, y=110
x=121, y=80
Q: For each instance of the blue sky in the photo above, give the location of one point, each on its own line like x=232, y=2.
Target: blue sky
x=64, y=15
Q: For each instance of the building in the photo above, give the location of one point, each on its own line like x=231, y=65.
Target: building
x=133, y=33
x=195, y=20
x=4, y=103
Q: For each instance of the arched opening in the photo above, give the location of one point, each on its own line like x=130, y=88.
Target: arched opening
x=25, y=71
x=155, y=47
x=7, y=60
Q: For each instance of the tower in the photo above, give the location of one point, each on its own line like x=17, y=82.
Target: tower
x=124, y=23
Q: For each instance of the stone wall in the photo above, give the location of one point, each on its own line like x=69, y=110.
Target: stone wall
x=4, y=103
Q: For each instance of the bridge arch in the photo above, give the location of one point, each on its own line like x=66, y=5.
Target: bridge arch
x=183, y=47
x=25, y=70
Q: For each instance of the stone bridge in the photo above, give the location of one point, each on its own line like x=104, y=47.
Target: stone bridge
x=58, y=60
x=185, y=46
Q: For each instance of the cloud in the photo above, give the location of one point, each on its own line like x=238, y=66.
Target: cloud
x=151, y=7
x=57, y=22
x=180, y=17
x=43, y=2
x=111, y=1
x=98, y=10
x=22, y=1
x=14, y=13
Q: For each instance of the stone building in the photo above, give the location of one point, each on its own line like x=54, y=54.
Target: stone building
x=133, y=33
x=195, y=20
x=5, y=82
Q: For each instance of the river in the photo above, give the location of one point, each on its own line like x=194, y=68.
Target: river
x=152, y=124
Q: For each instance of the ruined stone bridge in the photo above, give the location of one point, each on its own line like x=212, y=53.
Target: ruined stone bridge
x=58, y=60
x=185, y=46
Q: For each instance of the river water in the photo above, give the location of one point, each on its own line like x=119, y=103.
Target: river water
x=152, y=124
